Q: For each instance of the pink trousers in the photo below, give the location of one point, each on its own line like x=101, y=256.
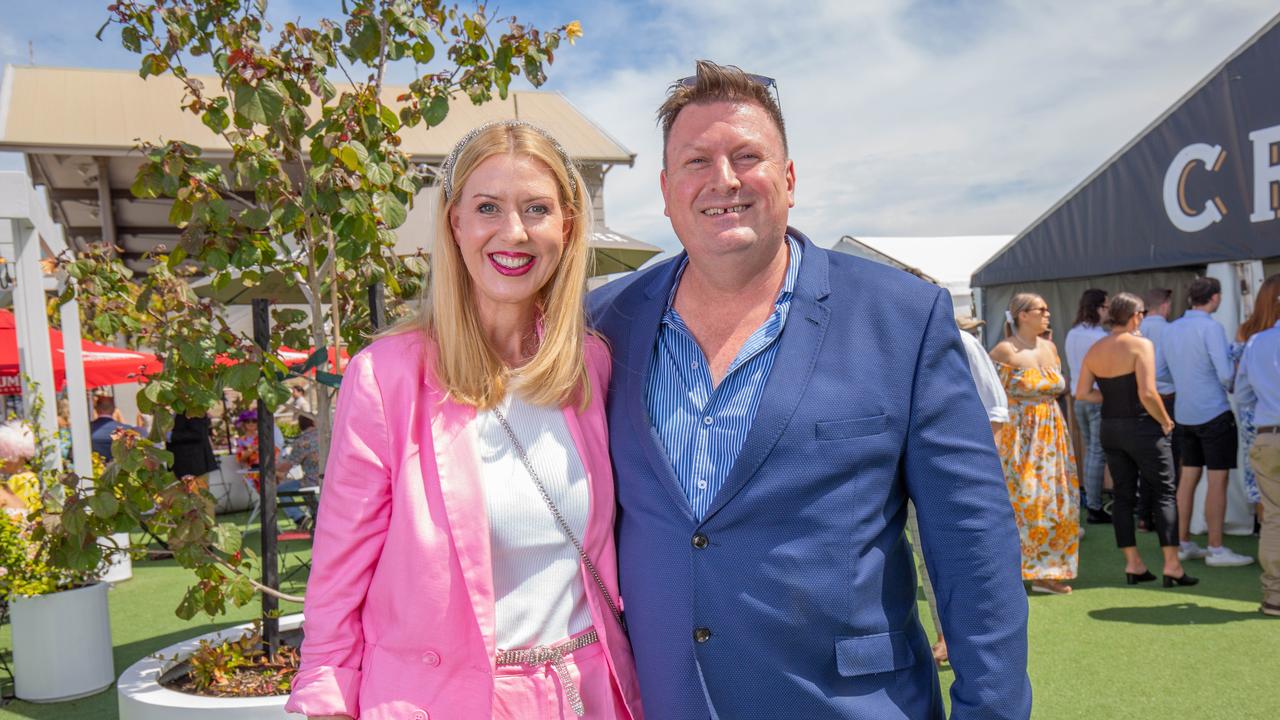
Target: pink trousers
x=535, y=693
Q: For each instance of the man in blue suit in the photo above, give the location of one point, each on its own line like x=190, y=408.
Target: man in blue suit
x=772, y=408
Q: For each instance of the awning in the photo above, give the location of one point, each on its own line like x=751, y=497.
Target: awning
x=103, y=365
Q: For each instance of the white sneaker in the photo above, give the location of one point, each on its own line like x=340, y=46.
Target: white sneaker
x=1225, y=557
x=1191, y=551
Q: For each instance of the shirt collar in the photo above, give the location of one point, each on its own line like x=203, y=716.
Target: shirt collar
x=788, y=283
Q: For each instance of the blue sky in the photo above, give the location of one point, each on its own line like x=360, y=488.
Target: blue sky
x=961, y=117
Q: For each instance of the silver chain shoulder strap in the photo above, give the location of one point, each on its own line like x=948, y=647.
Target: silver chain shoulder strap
x=564, y=525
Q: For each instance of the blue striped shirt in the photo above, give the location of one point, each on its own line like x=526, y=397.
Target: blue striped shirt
x=702, y=426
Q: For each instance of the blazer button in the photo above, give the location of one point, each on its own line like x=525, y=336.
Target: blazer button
x=421, y=715
x=431, y=658
x=700, y=541
x=701, y=634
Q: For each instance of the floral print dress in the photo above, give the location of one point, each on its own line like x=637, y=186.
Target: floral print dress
x=1040, y=471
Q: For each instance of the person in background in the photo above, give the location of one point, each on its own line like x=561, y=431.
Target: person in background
x=1085, y=331
x=994, y=401
x=64, y=428
x=18, y=489
x=191, y=445
x=1159, y=303
x=1135, y=435
x=298, y=404
x=1195, y=355
x=1035, y=448
x=1266, y=310
x=1258, y=393
x=301, y=451
x=104, y=425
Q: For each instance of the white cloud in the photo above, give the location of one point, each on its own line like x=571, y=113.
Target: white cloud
x=908, y=118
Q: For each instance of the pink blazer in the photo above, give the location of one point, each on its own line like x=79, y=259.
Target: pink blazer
x=400, y=605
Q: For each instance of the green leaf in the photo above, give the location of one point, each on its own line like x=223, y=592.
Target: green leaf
x=353, y=155
x=241, y=377
x=273, y=393
x=262, y=104
x=392, y=210
x=255, y=218
x=104, y=505
x=215, y=119
x=130, y=39
x=153, y=64
x=420, y=27
x=436, y=110
x=423, y=51
x=241, y=591
x=227, y=538
x=367, y=41
x=378, y=173
x=388, y=118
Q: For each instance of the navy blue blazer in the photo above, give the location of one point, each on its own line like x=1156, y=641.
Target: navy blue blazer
x=795, y=596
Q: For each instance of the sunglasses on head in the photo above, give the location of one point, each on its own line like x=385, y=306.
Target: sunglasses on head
x=769, y=83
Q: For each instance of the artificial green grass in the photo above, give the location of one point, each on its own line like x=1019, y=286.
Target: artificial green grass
x=1109, y=650
x=1105, y=651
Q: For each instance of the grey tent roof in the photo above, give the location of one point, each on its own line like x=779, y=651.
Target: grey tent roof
x=1121, y=218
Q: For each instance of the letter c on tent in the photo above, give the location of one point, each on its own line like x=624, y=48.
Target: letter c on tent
x=1181, y=214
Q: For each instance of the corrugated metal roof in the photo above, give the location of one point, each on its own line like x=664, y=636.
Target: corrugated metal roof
x=107, y=112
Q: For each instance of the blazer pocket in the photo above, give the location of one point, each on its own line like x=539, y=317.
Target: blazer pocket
x=852, y=428
x=870, y=654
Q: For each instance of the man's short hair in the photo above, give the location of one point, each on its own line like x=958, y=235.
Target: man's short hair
x=104, y=404
x=1202, y=290
x=717, y=83
x=1155, y=297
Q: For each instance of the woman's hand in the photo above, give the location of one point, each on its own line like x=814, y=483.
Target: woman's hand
x=1167, y=427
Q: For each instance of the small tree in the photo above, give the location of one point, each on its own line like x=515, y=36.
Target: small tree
x=314, y=188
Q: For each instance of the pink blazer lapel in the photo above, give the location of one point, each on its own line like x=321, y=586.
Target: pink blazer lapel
x=457, y=466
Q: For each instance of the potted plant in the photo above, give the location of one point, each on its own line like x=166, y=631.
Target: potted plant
x=58, y=610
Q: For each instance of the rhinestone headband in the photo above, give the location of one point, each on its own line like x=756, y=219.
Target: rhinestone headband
x=446, y=170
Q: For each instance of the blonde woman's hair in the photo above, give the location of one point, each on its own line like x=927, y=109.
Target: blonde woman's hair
x=466, y=365
x=1017, y=304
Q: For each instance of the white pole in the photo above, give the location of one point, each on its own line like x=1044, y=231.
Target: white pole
x=78, y=402
x=35, y=354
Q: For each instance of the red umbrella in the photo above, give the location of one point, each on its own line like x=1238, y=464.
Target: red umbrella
x=292, y=358
x=103, y=365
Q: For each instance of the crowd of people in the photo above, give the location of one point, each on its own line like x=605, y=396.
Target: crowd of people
x=1151, y=404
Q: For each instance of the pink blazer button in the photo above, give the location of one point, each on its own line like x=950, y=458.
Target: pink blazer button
x=430, y=658
x=420, y=715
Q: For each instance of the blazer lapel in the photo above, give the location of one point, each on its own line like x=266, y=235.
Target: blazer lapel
x=798, y=350
x=457, y=466
x=642, y=336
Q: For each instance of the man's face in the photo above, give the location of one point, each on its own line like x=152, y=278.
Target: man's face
x=727, y=183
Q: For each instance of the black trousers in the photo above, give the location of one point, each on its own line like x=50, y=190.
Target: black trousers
x=1136, y=448
x=1144, y=502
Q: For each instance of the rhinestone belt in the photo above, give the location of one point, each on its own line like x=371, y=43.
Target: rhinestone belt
x=554, y=655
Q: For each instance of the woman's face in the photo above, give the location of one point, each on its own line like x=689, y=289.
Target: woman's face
x=1035, y=318
x=510, y=230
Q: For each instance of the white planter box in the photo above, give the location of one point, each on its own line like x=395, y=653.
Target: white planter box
x=62, y=644
x=121, y=567
x=140, y=696
x=228, y=486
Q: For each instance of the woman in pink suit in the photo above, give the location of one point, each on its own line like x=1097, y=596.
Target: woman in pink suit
x=464, y=562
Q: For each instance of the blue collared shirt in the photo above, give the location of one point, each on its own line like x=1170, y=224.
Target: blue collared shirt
x=703, y=426
x=1153, y=327
x=1258, y=378
x=1194, y=354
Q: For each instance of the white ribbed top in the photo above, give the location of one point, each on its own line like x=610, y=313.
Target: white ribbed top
x=537, y=581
